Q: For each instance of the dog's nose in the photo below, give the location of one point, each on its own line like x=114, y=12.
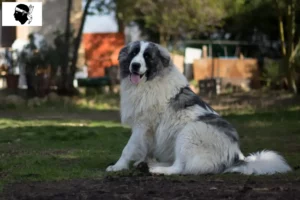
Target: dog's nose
x=135, y=67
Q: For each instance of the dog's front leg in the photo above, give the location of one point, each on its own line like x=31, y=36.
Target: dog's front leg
x=135, y=150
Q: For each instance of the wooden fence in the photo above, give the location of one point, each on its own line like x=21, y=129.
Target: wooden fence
x=235, y=71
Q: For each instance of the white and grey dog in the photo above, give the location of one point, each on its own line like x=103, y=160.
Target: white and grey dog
x=171, y=124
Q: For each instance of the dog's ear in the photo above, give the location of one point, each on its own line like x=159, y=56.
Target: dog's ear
x=164, y=55
x=123, y=53
x=124, y=62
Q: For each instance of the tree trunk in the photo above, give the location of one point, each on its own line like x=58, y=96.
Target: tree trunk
x=163, y=38
x=290, y=68
x=76, y=47
x=281, y=28
x=65, y=66
x=281, y=32
x=119, y=19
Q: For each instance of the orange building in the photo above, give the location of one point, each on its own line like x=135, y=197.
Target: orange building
x=102, y=41
x=101, y=51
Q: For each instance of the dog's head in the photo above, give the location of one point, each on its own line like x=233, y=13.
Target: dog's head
x=143, y=61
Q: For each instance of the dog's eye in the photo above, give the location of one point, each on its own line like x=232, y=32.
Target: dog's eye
x=146, y=55
x=135, y=52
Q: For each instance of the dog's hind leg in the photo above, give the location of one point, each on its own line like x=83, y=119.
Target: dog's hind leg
x=154, y=163
x=162, y=168
x=196, y=152
x=188, y=160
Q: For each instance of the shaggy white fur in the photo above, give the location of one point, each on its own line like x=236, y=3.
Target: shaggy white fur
x=180, y=142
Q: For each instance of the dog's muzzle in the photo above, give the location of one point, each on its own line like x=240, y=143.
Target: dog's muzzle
x=135, y=75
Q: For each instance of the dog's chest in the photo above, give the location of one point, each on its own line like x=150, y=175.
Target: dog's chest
x=140, y=105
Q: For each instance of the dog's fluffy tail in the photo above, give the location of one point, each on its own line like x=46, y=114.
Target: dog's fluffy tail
x=264, y=162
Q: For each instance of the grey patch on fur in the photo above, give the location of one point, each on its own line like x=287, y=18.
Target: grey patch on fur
x=221, y=168
x=126, y=54
x=231, y=162
x=237, y=162
x=157, y=60
x=186, y=98
x=221, y=124
x=236, y=158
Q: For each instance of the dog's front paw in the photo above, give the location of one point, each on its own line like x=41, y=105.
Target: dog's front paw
x=115, y=168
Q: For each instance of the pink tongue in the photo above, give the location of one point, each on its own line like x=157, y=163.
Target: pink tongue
x=135, y=79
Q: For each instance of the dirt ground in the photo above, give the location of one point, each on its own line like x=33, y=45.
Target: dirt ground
x=254, y=99
x=149, y=187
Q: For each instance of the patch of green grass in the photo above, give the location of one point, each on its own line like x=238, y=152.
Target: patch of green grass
x=53, y=150
x=65, y=149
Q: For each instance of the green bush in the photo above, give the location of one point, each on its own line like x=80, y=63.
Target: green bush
x=272, y=73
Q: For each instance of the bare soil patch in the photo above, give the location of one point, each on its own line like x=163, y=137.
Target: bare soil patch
x=153, y=187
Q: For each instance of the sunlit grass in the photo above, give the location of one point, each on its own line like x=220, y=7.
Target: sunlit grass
x=78, y=104
x=48, y=150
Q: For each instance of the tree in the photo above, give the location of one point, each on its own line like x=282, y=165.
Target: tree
x=172, y=18
x=278, y=24
x=245, y=16
x=288, y=8
x=70, y=64
x=64, y=68
x=77, y=45
x=169, y=18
